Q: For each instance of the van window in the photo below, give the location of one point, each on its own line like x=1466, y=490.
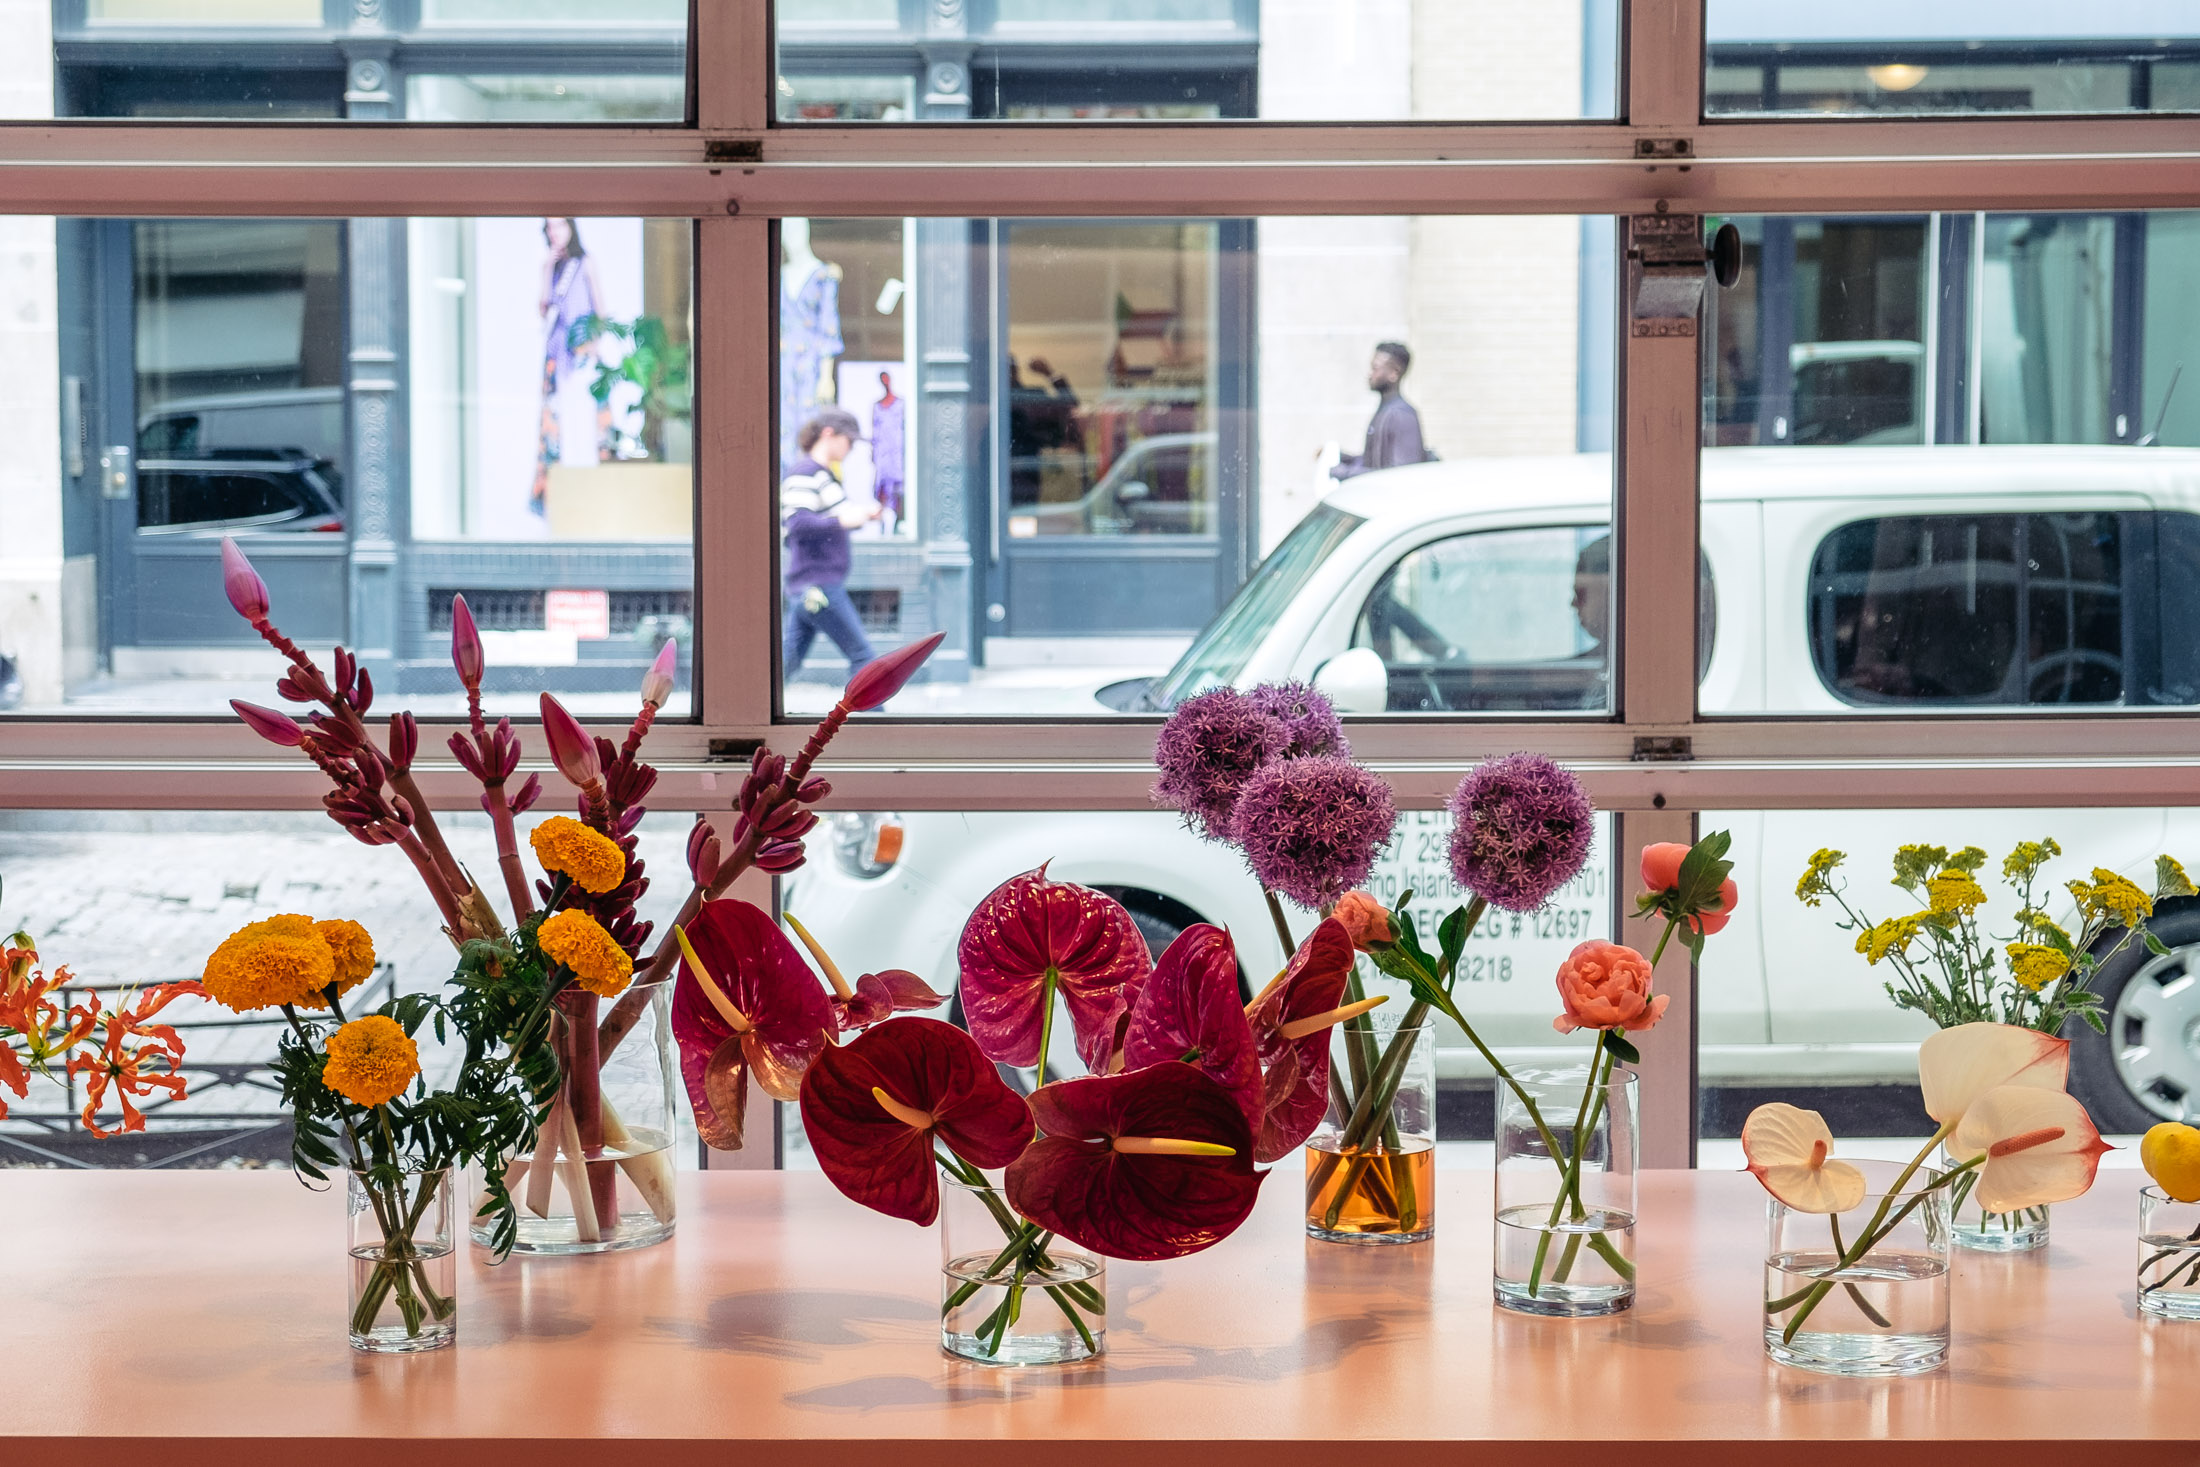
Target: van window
x=2093, y=607
x=214, y=495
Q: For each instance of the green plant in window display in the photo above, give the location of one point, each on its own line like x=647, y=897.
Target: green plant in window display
x=653, y=363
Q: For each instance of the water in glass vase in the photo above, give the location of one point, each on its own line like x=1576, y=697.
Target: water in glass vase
x=1377, y=1196
x=401, y=1305
x=1886, y=1314
x=996, y=1317
x=1586, y=1268
x=2169, y=1274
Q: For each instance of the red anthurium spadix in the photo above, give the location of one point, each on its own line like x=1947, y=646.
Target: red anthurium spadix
x=1291, y=1019
x=875, y=1107
x=1188, y=1010
x=744, y=1000
x=1032, y=938
x=1148, y=1164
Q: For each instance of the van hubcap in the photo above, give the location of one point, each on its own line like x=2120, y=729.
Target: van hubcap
x=2154, y=1033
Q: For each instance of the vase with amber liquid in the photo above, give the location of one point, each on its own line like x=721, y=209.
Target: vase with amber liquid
x=1371, y=1168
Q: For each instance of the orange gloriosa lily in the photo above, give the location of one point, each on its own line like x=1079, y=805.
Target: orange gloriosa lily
x=132, y=1069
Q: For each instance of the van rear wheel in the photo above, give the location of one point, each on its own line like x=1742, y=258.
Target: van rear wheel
x=2146, y=1068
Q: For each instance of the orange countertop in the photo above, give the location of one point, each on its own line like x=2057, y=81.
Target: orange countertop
x=208, y=1309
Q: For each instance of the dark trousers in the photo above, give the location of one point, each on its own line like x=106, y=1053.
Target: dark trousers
x=837, y=619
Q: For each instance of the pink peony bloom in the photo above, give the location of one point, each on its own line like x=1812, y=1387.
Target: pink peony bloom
x=1606, y=986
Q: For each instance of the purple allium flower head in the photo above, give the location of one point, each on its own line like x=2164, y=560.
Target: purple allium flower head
x=1310, y=717
x=1312, y=828
x=1521, y=828
x=1207, y=750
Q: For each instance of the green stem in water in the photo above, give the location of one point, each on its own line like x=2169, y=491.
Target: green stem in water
x=1570, y=1163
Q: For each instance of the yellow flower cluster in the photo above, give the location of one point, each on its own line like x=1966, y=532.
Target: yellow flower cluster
x=579, y=941
x=1954, y=893
x=2035, y=966
x=1891, y=936
x=2109, y=897
x=569, y=848
x=2024, y=863
x=290, y=959
x=371, y=1060
x=2170, y=879
x=1817, y=882
x=269, y=963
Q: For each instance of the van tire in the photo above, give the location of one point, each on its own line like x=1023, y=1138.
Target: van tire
x=2112, y=1095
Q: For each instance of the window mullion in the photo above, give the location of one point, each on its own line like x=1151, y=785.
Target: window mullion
x=1657, y=523
x=736, y=611
x=1663, y=77
x=732, y=65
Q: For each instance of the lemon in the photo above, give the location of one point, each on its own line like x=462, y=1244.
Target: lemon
x=2171, y=1154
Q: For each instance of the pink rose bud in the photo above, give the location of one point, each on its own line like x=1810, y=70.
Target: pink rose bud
x=657, y=682
x=571, y=748
x=1661, y=865
x=276, y=728
x=247, y=592
x=465, y=645
x=1365, y=920
x=880, y=680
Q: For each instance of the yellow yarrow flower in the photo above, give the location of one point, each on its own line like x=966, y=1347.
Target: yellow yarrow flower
x=579, y=941
x=1953, y=892
x=267, y=964
x=1913, y=864
x=1817, y=882
x=2023, y=863
x=371, y=1060
x=2170, y=879
x=1891, y=936
x=2109, y=897
x=2036, y=966
x=569, y=848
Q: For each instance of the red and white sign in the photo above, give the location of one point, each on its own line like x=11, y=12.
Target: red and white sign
x=585, y=614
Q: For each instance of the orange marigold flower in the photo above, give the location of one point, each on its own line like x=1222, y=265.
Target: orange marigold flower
x=371, y=1060
x=266, y=964
x=590, y=857
x=596, y=960
x=353, y=952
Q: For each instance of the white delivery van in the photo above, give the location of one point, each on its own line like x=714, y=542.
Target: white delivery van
x=1857, y=581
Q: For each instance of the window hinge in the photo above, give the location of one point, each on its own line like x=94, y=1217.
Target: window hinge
x=733, y=751
x=733, y=150
x=1663, y=749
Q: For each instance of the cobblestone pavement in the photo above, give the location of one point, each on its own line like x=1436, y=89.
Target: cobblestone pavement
x=127, y=899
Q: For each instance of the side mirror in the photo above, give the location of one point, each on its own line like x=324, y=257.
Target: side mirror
x=1356, y=681
x=1132, y=489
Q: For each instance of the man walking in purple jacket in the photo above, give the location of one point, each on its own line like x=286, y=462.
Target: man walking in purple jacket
x=815, y=516
x=1394, y=433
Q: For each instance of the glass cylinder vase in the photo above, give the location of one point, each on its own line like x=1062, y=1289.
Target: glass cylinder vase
x=1010, y=1293
x=1862, y=1292
x=2169, y=1255
x=404, y=1260
x=1567, y=1151
x=1371, y=1167
x=1973, y=1227
x=600, y=1177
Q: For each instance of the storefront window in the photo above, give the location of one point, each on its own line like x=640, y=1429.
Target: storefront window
x=382, y=413
x=1190, y=60
x=1089, y=435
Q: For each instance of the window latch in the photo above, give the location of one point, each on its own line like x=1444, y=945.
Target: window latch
x=1663, y=749
x=1667, y=262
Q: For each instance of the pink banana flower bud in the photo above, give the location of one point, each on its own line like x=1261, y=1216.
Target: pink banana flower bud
x=362, y=696
x=247, y=592
x=469, y=758
x=346, y=667
x=703, y=853
x=813, y=790
x=572, y=749
x=529, y=792
x=880, y=680
x=276, y=728
x=657, y=682
x=404, y=741
x=779, y=857
x=465, y=645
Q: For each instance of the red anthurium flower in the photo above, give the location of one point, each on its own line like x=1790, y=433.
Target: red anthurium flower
x=1188, y=1010
x=875, y=1106
x=1033, y=937
x=879, y=996
x=1152, y=1163
x=1291, y=1019
x=744, y=999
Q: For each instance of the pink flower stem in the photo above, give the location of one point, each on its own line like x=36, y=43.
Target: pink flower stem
x=638, y=731
x=515, y=875
x=584, y=1087
x=424, y=863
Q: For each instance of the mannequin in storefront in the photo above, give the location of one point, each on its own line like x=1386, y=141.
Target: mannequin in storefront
x=809, y=333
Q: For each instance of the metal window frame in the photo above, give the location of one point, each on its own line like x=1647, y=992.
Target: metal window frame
x=736, y=170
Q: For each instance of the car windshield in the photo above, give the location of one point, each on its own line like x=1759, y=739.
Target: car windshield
x=1217, y=654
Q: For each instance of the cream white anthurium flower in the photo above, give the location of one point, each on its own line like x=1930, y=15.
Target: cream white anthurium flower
x=1790, y=1150
x=1957, y=1066
x=2039, y=1147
